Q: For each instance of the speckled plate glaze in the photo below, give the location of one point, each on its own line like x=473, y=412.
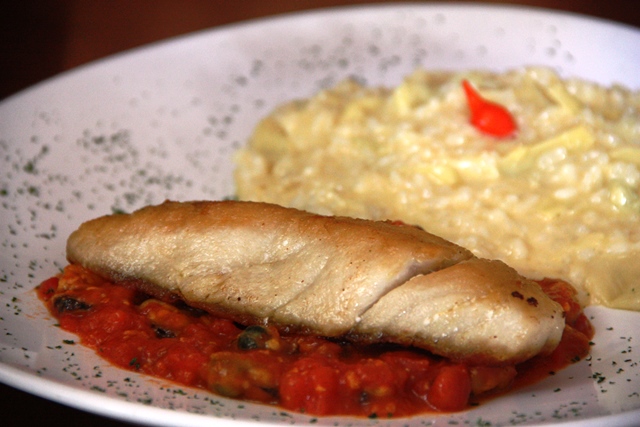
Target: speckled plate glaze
x=163, y=122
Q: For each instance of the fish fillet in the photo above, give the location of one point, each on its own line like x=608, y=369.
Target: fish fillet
x=331, y=276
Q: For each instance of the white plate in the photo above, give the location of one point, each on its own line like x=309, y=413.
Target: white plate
x=163, y=121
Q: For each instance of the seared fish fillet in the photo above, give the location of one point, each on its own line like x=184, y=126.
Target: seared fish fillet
x=331, y=276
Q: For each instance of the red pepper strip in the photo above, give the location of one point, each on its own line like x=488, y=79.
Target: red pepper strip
x=487, y=116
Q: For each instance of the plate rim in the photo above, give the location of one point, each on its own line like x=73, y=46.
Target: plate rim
x=340, y=9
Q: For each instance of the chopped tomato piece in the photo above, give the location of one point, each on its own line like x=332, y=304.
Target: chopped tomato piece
x=311, y=385
x=48, y=288
x=451, y=389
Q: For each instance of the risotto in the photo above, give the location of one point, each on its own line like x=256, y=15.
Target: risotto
x=559, y=197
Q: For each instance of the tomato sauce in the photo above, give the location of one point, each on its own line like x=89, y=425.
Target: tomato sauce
x=301, y=373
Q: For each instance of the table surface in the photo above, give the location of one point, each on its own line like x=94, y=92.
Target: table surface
x=39, y=39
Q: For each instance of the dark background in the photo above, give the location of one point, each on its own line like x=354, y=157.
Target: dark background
x=39, y=39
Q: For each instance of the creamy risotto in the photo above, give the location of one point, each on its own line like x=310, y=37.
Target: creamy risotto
x=558, y=198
